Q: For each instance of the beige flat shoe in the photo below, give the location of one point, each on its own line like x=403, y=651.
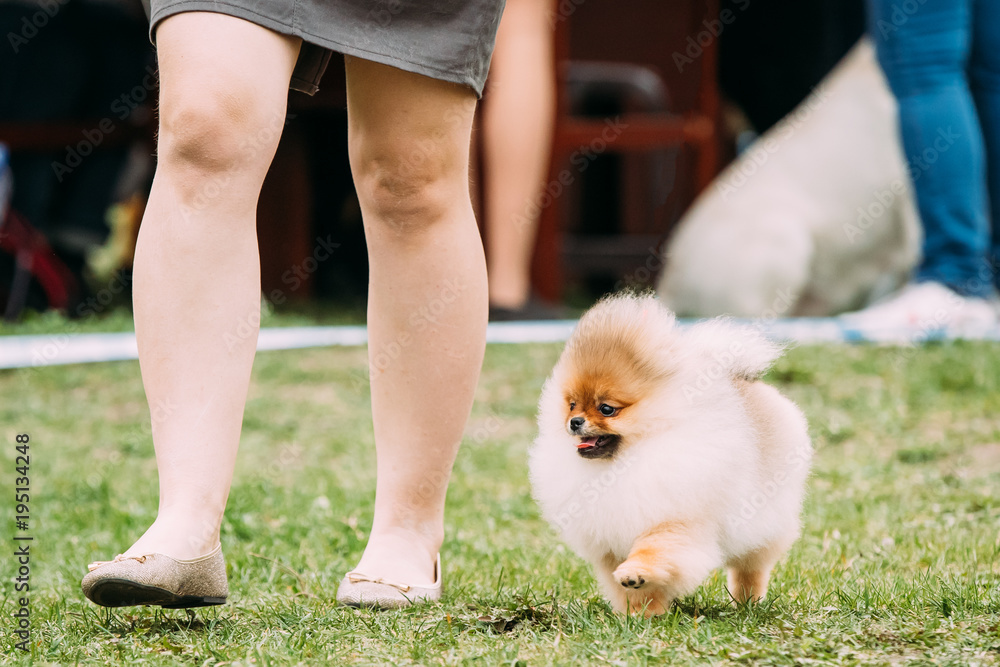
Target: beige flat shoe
x=155, y=579
x=360, y=590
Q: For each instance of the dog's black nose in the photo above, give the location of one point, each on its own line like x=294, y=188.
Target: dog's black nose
x=576, y=422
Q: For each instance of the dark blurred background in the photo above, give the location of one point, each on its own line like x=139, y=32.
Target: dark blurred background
x=78, y=115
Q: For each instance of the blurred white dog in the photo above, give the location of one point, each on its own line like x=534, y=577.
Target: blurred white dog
x=815, y=218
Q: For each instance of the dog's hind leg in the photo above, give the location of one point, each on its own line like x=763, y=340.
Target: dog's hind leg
x=748, y=576
x=748, y=584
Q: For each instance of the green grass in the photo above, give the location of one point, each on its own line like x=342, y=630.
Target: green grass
x=897, y=564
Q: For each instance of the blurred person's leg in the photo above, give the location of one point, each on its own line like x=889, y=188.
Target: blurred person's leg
x=409, y=139
x=223, y=90
x=984, y=75
x=925, y=53
x=517, y=133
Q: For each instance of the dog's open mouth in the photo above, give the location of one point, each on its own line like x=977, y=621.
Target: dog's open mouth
x=598, y=446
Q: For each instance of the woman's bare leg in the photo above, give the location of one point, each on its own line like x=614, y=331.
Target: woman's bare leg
x=223, y=90
x=517, y=132
x=409, y=147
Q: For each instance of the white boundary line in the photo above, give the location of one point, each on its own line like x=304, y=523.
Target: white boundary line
x=58, y=349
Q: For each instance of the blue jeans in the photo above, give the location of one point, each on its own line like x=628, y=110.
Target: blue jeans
x=942, y=60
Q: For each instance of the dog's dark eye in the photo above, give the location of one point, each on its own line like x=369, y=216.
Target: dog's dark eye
x=606, y=409
x=572, y=405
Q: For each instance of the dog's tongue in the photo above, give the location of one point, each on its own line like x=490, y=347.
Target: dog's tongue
x=587, y=443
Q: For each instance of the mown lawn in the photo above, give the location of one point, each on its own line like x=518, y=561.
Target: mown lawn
x=897, y=565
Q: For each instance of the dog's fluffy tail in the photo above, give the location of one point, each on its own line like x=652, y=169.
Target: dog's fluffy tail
x=741, y=350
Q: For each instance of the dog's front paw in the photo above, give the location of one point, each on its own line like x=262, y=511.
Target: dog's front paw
x=629, y=575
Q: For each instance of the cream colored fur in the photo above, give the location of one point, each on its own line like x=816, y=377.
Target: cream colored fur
x=816, y=218
x=712, y=461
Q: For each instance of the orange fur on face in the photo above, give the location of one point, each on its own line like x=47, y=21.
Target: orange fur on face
x=589, y=393
x=617, y=371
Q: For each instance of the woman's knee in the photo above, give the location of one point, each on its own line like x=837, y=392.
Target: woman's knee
x=412, y=183
x=223, y=91
x=204, y=135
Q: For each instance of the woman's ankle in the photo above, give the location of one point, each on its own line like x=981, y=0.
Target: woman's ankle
x=180, y=538
x=398, y=554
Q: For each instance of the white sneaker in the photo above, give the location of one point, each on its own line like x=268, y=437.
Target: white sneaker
x=924, y=310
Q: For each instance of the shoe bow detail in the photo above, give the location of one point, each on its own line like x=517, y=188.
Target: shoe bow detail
x=119, y=558
x=357, y=578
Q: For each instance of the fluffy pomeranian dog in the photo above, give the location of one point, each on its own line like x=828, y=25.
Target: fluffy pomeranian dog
x=661, y=457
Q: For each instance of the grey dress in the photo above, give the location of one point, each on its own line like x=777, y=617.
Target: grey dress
x=451, y=40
